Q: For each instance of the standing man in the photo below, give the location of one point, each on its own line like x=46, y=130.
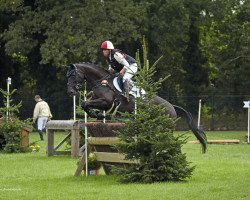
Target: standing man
x=120, y=62
x=42, y=114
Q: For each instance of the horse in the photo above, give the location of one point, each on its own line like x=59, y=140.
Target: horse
x=107, y=97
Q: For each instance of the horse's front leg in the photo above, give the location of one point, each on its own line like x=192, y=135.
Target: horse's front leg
x=100, y=104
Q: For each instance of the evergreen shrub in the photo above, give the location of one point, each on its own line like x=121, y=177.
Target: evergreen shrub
x=11, y=126
x=148, y=138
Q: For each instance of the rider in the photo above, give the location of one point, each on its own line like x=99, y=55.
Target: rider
x=119, y=62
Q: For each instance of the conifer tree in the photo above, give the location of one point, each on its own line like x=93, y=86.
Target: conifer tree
x=148, y=137
x=10, y=126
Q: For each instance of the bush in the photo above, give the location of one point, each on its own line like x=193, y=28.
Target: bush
x=149, y=139
x=93, y=164
x=34, y=148
x=10, y=138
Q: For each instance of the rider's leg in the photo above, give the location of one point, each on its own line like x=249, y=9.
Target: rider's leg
x=126, y=78
x=126, y=89
x=132, y=69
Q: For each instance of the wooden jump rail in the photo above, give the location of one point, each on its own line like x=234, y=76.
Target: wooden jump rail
x=100, y=142
x=216, y=142
x=71, y=125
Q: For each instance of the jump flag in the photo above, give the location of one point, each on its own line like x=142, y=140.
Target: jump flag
x=246, y=104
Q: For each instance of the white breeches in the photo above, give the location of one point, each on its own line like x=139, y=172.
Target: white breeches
x=130, y=72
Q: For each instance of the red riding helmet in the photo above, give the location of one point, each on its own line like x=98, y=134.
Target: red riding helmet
x=107, y=45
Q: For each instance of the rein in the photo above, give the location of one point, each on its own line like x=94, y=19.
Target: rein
x=74, y=72
x=98, y=82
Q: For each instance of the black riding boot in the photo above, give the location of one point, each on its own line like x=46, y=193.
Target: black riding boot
x=41, y=134
x=126, y=90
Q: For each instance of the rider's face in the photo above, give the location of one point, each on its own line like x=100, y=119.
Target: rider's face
x=106, y=52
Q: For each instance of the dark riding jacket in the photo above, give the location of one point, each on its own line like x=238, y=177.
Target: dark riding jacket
x=115, y=64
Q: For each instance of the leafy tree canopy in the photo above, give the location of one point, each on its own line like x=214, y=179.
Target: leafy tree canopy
x=69, y=31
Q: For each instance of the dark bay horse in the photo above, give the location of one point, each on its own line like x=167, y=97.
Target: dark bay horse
x=107, y=97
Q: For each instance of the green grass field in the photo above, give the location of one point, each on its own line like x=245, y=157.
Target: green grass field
x=222, y=173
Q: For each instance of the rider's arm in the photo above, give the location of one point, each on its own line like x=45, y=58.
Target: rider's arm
x=121, y=59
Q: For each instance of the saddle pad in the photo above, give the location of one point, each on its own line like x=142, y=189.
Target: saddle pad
x=136, y=92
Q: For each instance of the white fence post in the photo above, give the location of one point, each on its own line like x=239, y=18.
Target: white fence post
x=8, y=98
x=247, y=105
x=74, y=107
x=86, y=133
x=199, y=114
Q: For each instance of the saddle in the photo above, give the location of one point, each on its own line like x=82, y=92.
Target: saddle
x=133, y=89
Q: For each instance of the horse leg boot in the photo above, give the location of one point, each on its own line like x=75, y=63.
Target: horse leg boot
x=126, y=90
x=41, y=134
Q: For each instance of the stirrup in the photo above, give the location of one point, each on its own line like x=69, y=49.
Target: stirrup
x=124, y=94
x=127, y=97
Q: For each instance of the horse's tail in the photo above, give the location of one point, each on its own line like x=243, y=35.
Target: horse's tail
x=199, y=134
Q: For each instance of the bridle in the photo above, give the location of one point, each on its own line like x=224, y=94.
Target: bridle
x=74, y=73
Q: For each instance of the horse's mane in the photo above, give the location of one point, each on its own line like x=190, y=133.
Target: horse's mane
x=92, y=65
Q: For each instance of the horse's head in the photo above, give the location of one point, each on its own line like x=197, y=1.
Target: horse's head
x=74, y=80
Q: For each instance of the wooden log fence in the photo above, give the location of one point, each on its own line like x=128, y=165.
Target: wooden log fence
x=101, y=141
x=216, y=142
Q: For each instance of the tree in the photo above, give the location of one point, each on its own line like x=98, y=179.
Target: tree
x=9, y=11
x=194, y=64
x=148, y=138
x=167, y=25
x=225, y=39
x=11, y=125
x=73, y=30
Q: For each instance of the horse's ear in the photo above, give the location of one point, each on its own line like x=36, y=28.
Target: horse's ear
x=71, y=70
x=72, y=67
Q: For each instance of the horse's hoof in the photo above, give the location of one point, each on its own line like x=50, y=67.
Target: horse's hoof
x=117, y=102
x=108, y=117
x=83, y=105
x=100, y=116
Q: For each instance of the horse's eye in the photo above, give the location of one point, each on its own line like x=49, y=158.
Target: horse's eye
x=78, y=86
x=71, y=73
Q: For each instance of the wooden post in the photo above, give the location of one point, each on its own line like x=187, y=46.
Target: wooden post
x=75, y=143
x=50, y=142
x=81, y=164
x=24, y=137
